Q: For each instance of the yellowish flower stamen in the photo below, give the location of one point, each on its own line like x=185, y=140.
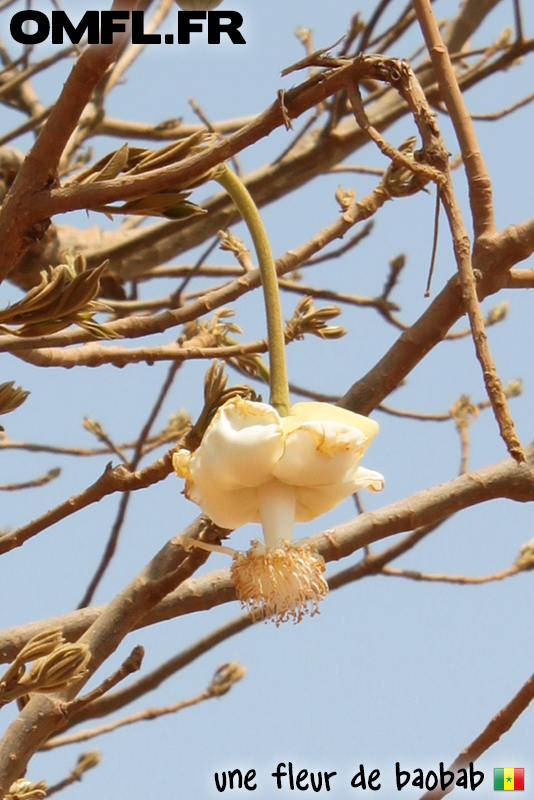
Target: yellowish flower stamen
x=282, y=584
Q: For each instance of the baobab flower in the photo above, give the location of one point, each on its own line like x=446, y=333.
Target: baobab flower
x=254, y=465
x=272, y=463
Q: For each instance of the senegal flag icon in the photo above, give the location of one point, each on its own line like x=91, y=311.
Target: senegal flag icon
x=511, y=778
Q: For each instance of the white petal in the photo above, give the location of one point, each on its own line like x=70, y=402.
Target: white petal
x=368, y=479
x=240, y=448
x=228, y=509
x=319, y=453
x=180, y=463
x=252, y=464
x=317, y=500
x=323, y=412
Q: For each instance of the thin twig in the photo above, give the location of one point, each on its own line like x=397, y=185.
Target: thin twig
x=434, y=244
x=42, y=481
x=141, y=716
x=129, y=665
x=124, y=501
x=463, y=580
x=112, y=480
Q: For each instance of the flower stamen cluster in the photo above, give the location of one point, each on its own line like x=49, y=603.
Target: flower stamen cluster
x=282, y=584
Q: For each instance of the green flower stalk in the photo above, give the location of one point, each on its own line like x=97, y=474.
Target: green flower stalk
x=275, y=329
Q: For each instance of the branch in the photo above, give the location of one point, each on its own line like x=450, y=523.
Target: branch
x=371, y=565
x=514, y=244
x=423, y=509
x=224, y=678
x=462, y=580
x=45, y=714
x=480, y=193
x=138, y=326
x=499, y=725
x=94, y=355
x=482, y=213
x=113, y=702
x=133, y=463
x=42, y=481
x=112, y=480
x=39, y=169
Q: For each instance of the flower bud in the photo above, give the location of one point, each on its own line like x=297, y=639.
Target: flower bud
x=225, y=677
x=64, y=666
x=42, y=644
x=26, y=790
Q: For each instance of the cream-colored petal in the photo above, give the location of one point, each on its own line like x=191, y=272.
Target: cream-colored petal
x=277, y=512
x=312, y=501
x=319, y=453
x=326, y=412
x=180, y=463
x=240, y=447
x=368, y=479
x=228, y=509
x=252, y=464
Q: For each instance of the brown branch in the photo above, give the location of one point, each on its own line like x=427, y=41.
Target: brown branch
x=226, y=676
x=129, y=665
x=493, y=262
x=482, y=213
x=137, y=327
x=140, y=716
x=296, y=102
x=189, y=598
x=133, y=51
x=463, y=580
x=42, y=481
x=371, y=565
x=520, y=279
x=504, y=112
x=31, y=447
x=472, y=14
x=94, y=355
x=417, y=415
x=341, y=297
x=19, y=78
x=113, y=702
x=112, y=480
x=423, y=509
x=86, y=761
x=478, y=179
x=30, y=125
x=45, y=714
x=168, y=130
x=497, y=727
x=339, y=251
x=40, y=165
x=157, y=243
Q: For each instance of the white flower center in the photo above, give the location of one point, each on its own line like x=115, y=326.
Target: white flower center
x=277, y=512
